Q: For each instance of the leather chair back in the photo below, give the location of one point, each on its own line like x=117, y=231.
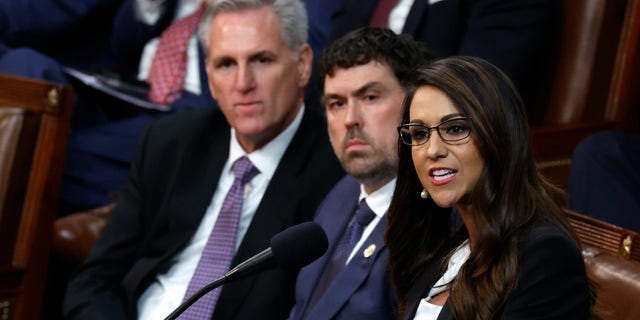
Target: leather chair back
x=10, y=126
x=589, y=82
x=34, y=124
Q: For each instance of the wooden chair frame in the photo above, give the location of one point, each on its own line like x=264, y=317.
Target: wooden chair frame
x=42, y=112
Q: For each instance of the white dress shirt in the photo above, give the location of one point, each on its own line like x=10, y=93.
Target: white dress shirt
x=167, y=291
x=398, y=15
x=400, y=12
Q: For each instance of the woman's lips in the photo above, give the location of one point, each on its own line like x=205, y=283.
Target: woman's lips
x=441, y=176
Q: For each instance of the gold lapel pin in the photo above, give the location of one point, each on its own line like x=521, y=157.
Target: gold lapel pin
x=368, y=252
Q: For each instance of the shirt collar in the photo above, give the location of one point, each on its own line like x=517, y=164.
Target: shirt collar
x=266, y=159
x=380, y=199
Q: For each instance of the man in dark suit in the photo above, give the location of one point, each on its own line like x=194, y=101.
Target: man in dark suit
x=509, y=33
x=362, y=75
x=74, y=33
x=156, y=240
x=604, y=181
x=133, y=32
x=106, y=130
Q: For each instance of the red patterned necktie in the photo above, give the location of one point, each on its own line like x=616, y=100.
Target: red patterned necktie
x=166, y=76
x=380, y=17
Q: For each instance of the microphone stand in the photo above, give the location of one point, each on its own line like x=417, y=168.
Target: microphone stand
x=287, y=243
x=192, y=299
x=257, y=263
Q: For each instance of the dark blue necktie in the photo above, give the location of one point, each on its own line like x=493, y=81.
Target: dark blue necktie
x=362, y=217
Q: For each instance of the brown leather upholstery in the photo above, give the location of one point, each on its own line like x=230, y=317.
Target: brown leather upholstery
x=579, y=27
x=75, y=234
x=10, y=126
x=612, y=257
x=617, y=283
x=34, y=123
x=590, y=83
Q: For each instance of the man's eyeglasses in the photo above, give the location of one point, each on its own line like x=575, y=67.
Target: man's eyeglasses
x=415, y=134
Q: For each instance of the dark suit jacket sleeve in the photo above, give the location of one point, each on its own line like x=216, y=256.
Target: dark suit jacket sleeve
x=552, y=281
x=75, y=33
x=95, y=292
x=130, y=34
x=28, y=22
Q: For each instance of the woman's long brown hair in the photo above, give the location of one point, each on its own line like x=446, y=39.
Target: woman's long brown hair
x=510, y=197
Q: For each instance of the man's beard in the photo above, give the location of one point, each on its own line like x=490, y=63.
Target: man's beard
x=368, y=167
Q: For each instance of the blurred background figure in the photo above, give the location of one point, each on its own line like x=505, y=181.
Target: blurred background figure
x=508, y=33
x=106, y=129
x=604, y=180
x=74, y=33
x=120, y=45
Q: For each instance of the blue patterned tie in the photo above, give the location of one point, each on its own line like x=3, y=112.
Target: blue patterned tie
x=363, y=216
x=216, y=257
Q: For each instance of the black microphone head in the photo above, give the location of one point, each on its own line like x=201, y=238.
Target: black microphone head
x=299, y=245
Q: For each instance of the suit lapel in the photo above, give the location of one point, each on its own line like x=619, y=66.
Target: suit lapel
x=446, y=313
x=429, y=276
x=190, y=191
x=340, y=210
x=422, y=285
x=352, y=277
x=417, y=13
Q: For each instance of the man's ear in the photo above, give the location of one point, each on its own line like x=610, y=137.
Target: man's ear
x=305, y=60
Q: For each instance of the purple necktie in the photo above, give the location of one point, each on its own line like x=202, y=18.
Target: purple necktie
x=216, y=257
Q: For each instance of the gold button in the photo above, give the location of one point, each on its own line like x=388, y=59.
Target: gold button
x=368, y=252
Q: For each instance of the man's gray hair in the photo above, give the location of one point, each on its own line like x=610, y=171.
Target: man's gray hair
x=294, y=24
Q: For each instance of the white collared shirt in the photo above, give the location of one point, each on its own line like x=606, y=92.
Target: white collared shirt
x=168, y=290
x=399, y=13
x=379, y=202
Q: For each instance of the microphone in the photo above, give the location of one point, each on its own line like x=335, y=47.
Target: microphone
x=291, y=249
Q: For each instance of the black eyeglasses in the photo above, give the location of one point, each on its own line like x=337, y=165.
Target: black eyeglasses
x=415, y=134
